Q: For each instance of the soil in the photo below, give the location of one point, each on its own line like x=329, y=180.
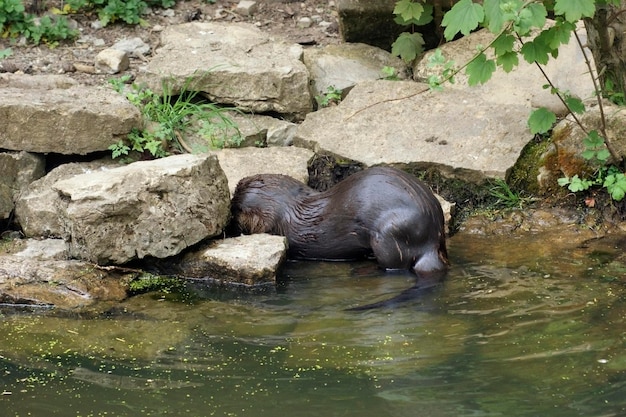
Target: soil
x=76, y=58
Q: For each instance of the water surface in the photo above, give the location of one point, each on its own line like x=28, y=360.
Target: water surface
x=521, y=327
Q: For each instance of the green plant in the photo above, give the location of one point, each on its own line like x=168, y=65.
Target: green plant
x=330, y=97
x=389, y=73
x=147, y=282
x=111, y=11
x=520, y=32
x=410, y=14
x=4, y=53
x=505, y=197
x=14, y=21
x=169, y=116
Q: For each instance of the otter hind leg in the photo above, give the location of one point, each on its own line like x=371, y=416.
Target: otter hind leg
x=391, y=253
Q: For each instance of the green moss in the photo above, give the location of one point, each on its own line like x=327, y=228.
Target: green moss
x=523, y=175
x=147, y=282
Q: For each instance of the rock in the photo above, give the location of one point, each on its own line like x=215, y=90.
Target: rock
x=45, y=249
x=342, y=66
x=35, y=209
x=254, y=130
x=232, y=63
x=17, y=171
x=246, y=7
x=305, y=22
x=75, y=120
x=387, y=122
x=132, y=46
x=112, y=61
x=63, y=284
x=149, y=208
x=569, y=73
x=563, y=156
x=40, y=82
x=243, y=162
x=249, y=260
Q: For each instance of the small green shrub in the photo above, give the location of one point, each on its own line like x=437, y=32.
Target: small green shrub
x=330, y=97
x=112, y=11
x=171, y=116
x=14, y=22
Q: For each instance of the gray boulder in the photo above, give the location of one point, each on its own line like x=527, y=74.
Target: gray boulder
x=387, y=122
x=17, y=171
x=344, y=65
x=150, y=208
x=27, y=282
x=75, y=120
x=35, y=208
x=243, y=162
x=249, y=260
x=232, y=63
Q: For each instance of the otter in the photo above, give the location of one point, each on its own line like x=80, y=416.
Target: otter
x=380, y=211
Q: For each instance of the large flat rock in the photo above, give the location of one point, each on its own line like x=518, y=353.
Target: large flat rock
x=75, y=120
x=386, y=122
x=232, y=63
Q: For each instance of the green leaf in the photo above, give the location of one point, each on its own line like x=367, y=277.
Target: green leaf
x=494, y=16
x=541, y=120
x=563, y=181
x=408, y=14
x=578, y=184
x=575, y=104
x=408, y=46
x=603, y=155
x=616, y=186
x=463, y=17
x=559, y=34
x=535, y=51
x=408, y=9
x=593, y=140
x=573, y=10
x=508, y=61
x=531, y=16
x=480, y=69
x=503, y=44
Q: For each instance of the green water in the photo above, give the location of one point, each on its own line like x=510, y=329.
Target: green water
x=530, y=329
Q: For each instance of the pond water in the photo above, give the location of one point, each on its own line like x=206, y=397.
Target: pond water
x=532, y=328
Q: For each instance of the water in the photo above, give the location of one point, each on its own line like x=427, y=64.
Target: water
x=522, y=327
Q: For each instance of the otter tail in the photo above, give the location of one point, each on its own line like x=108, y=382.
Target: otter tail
x=424, y=284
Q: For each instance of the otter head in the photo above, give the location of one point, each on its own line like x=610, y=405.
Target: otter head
x=261, y=203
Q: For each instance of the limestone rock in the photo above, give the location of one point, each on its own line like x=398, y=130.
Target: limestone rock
x=563, y=157
x=149, y=208
x=254, y=130
x=132, y=46
x=342, y=66
x=249, y=260
x=75, y=120
x=27, y=282
x=17, y=171
x=112, y=61
x=41, y=82
x=232, y=64
x=243, y=162
x=35, y=209
x=387, y=122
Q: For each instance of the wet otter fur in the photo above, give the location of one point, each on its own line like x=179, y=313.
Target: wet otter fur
x=380, y=211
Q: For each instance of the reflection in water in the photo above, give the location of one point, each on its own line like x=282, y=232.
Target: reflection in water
x=536, y=332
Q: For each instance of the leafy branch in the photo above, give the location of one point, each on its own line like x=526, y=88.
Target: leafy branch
x=524, y=22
